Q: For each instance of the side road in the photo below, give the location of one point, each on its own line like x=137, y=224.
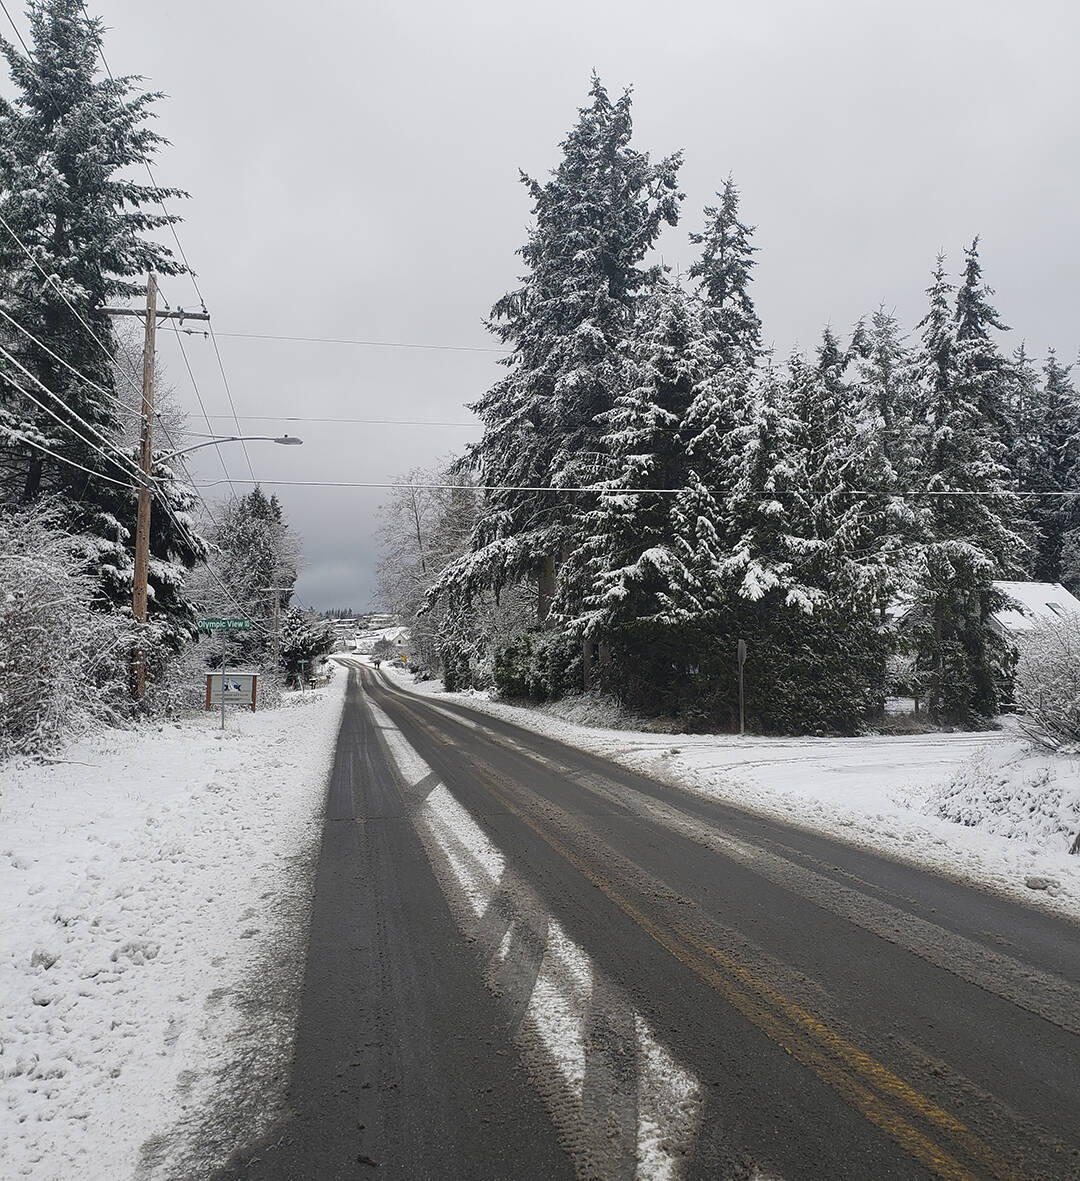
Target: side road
x=145, y=878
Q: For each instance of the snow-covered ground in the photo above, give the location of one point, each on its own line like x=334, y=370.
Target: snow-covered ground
x=980, y=807
x=152, y=882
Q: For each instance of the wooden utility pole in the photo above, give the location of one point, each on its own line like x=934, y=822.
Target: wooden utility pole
x=146, y=463
x=146, y=460
x=276, y=591
x=277, y=631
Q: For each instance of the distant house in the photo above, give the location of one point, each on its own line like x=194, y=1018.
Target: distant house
x=398, y=636
x=1030, y=603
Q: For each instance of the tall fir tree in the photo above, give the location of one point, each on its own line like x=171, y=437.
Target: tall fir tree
x=970, y=521
x=889, y=390
x=640, y=597
x=66, y=142
x=810, y=561
x=724, y=272
x=567, y=325
x=1049, y=460
x=980, y=364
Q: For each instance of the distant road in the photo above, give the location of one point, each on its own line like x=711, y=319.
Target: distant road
x=527, y=962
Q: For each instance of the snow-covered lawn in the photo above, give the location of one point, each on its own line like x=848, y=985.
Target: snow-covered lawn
x=145, y=880
x=982, y=807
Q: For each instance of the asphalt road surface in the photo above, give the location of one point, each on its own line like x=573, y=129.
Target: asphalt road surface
x=528, y=963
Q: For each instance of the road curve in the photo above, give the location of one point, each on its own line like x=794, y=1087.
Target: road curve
x=528, y=962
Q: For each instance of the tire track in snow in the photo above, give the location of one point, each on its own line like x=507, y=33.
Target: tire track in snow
x=1042, y=993
x=624, y=1108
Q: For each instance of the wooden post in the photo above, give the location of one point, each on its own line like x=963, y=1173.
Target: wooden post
x=146, y=459
x=545, y=588
x=223, y=678
x=603, y=660
x=277, y=639
x=742, y=698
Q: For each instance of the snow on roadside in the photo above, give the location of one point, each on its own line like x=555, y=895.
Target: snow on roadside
x=979, y=807
x=143, y=877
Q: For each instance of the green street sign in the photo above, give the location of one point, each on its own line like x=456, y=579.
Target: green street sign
x=224, y=625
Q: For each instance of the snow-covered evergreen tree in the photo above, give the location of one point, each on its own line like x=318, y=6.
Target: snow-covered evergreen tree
x=66, y=142
x=889, y=389
x=724, y=273
x=979, y=363
x=640, y=593
x=595, y=220
x=1049, y=459
x=970, y=521
x=256, y=557
x=813, y=528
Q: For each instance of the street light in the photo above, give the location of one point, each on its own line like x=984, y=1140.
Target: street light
x=142, y=530
x=284, y=440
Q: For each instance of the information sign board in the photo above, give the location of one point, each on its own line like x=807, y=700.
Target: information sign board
x=240, y=689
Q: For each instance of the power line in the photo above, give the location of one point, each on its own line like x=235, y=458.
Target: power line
x=170, y=221
x=102, y=390
x=202, y=407
x=597, y=491
x=228, y=391
x=20, y=36
x=180, y=526
x=67, y=365
x=373, y=344
x=182, y=529
x=362, y=421
x=51, y=280
x=71, y=462
x=82, y=421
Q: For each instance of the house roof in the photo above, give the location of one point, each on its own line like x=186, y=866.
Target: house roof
x=1033, y=601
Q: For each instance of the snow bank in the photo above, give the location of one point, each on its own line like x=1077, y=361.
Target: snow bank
x=979, y=807
x=144, y=880
x=1015, y=792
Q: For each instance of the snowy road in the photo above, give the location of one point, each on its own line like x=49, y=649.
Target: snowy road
x=527, y=962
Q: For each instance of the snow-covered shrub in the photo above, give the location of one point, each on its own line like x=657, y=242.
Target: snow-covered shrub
x=539, y=666
x=599, y=710
x=1015, y=793
x=1047, y=684
x=63, y=662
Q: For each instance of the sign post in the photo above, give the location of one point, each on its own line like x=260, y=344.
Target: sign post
x=742, y=702
x=223, y=626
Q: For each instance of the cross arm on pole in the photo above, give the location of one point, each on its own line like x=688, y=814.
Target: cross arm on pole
x=178, y=314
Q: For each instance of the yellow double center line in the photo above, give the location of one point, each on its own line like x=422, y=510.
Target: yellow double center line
x=864, y=1083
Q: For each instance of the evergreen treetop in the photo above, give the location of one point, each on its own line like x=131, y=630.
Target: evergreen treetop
x=567, y=324
x=724, y=270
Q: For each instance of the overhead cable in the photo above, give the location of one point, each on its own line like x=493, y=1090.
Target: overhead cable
x=373, y=344
x=600, y=491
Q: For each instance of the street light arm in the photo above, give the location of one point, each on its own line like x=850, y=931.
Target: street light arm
x=284, y=440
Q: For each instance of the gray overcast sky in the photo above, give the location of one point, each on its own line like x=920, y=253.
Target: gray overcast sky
x=353, y=169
